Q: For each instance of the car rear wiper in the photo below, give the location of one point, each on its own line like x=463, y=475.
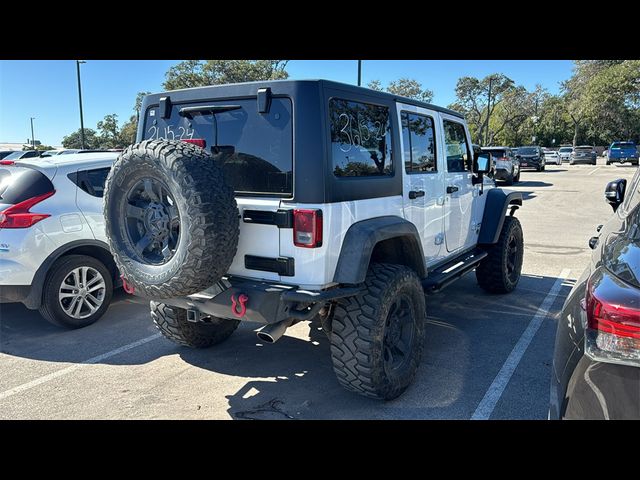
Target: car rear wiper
x=189, y=112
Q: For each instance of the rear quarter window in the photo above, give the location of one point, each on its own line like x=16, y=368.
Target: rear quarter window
x=360, y=139
x=91, y=181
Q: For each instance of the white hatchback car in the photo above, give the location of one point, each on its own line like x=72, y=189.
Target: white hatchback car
x=54, y=255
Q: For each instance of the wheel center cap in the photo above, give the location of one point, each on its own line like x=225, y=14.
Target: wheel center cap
x=83, y=292
x=157, y=220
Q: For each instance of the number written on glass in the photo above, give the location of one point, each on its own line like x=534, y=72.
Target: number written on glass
x=168, y=133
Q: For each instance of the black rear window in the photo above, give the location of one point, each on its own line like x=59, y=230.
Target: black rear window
x=254, y=149
x=497, y=152
x=20, y=184
x=527, y=151
x=623, y=145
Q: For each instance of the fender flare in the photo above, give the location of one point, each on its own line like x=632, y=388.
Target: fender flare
x=495, y=209
x=362, y=237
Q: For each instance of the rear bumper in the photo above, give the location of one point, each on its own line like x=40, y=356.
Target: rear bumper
x=262, y=302
x=583, y=160
x=528, y=163
x=502, y=174
x=14, y=293
x=623, y=159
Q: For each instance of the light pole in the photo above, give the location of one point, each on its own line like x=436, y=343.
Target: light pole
x=359, y=72
x=78, y=62
x=33, y=139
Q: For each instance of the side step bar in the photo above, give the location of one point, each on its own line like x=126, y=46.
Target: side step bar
x=451, y=271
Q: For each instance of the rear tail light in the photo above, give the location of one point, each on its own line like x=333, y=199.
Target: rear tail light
x=19, y=216
x=7, y=162
x=202, y=143
x=613, y=319
x=307, y=228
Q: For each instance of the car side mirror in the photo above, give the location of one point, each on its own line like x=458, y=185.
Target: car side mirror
x=614, y=192
x=482, y=162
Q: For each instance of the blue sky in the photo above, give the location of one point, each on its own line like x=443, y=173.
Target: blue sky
x=47, y=89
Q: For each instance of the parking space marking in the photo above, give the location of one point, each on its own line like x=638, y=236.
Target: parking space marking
x=493, y=394
x=593, y=171
x=72, y=368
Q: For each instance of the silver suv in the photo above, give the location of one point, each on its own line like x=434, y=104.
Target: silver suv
x=53, y=251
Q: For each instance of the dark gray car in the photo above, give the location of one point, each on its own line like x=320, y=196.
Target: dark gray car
x=583, y=154
x=596, y=363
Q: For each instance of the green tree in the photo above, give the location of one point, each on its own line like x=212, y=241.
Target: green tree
x=199, y=73
x=478, y=99
x=404, y=87
x=72, y=140
x=109, y=131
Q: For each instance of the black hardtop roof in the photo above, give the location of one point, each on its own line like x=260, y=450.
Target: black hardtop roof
x=250, y=88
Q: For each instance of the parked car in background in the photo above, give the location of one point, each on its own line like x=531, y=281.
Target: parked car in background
x=531, y=157
x=20, y=155
x=551, y=156
x=583, y=154
x=596, y=363
x=620, y=152
x=4, y=153
x=565, y=153
x=54, y=255
x=507, y=167
x=51, y=153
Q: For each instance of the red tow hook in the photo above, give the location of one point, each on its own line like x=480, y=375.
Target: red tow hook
x=127, y=287
x=239, y=312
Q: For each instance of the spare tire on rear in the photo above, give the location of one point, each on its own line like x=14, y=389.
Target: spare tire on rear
x=171, y=219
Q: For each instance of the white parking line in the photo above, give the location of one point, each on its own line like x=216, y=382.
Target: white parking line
x=73, y=368
x=593, y=171
x=493, y=394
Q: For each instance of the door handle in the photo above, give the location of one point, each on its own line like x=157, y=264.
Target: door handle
x=452, y=188
x=413, y=194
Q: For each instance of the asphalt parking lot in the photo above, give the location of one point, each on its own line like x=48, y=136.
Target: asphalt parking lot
x=486, y=356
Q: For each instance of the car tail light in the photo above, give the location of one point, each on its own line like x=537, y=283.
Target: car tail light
x=202, y=143
x=307, y=228
x=613, y=319
x=19, y=216
x=7, y=162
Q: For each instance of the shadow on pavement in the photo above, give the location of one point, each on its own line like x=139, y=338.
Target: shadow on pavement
x=470, y=334
x=532, y=183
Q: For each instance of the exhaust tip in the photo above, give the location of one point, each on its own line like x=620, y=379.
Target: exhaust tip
x=265, y=337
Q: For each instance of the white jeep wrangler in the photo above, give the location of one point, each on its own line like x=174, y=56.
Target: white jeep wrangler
x=278, y=202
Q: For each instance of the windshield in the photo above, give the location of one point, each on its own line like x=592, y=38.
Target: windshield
x=584, y=149
x=566, y=149
x=549, y=152
x=527, y=151
x=496, y=153
x=254, y=149
x=623, y=145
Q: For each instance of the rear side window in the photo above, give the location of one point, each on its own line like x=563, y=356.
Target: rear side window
x=458, y=156
x=419, y=143
x=497, y=153
x=255, y=150
x=360, y=139
x=20, y=184
x=91, y=181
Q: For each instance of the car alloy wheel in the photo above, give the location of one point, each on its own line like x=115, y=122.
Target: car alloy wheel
x=82, y=292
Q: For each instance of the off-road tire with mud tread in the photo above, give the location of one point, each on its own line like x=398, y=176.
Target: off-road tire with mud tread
x=492, y=274
x=209, y=219
x=173, y=324
x=358, y=330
